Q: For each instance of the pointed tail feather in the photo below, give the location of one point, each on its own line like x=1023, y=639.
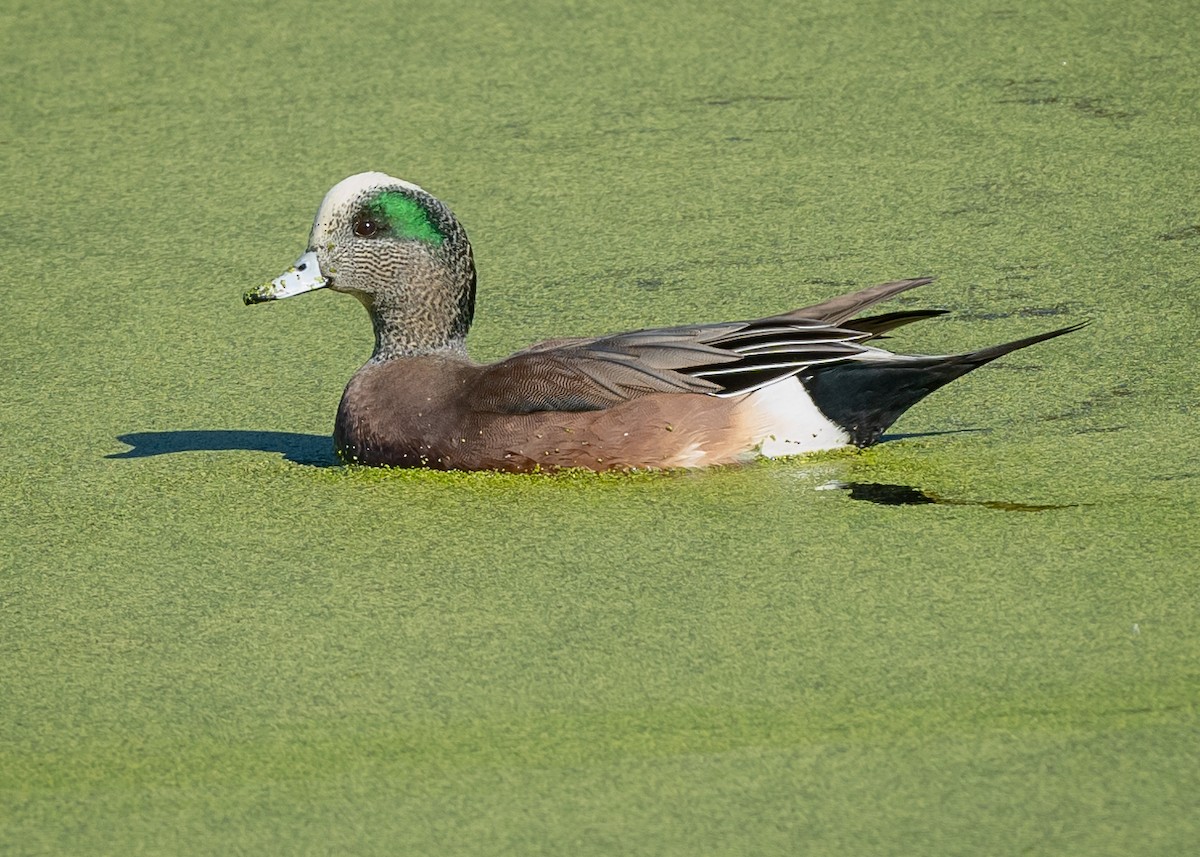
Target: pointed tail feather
x=866, y=396
x=836, y=310
x=987, y=355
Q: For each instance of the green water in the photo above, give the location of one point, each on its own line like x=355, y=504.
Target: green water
x=215, y=643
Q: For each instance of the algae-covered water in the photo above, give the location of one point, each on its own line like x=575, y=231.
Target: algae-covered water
x=980, y=637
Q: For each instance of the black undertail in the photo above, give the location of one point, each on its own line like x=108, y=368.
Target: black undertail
x=866, y=396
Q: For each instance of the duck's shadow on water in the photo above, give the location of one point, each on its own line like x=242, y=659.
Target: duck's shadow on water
x=315, y=450
x=885, y=494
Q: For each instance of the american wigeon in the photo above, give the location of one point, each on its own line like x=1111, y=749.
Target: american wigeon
x=668, y=397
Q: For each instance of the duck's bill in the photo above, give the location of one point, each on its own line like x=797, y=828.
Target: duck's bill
x=304, y=276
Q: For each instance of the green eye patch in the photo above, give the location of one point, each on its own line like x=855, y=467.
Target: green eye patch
x=404, y=217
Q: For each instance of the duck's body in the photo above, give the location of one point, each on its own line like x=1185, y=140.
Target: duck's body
x=663, y=398
x=426, y=412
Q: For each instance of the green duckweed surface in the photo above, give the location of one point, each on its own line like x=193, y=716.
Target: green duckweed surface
x=214, y=641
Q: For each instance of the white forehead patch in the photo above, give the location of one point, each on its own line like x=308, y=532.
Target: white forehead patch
x=349, y=190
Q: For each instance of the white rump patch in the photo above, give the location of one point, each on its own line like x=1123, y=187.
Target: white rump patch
x=790, y=423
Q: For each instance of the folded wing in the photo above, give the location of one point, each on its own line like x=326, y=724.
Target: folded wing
x=728, y=359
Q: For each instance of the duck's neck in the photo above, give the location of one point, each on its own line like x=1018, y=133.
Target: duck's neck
x=399, y=334
x=424, y=317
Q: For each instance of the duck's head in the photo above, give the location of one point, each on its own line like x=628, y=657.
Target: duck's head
x=400, y=251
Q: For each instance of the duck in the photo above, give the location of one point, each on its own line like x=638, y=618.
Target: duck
x=688, y=396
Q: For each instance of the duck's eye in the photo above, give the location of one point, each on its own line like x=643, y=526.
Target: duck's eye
x=366, y=228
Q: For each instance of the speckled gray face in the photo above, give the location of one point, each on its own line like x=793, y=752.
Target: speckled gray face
x=369, y=227
x=376, y=236
x=400, y=251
